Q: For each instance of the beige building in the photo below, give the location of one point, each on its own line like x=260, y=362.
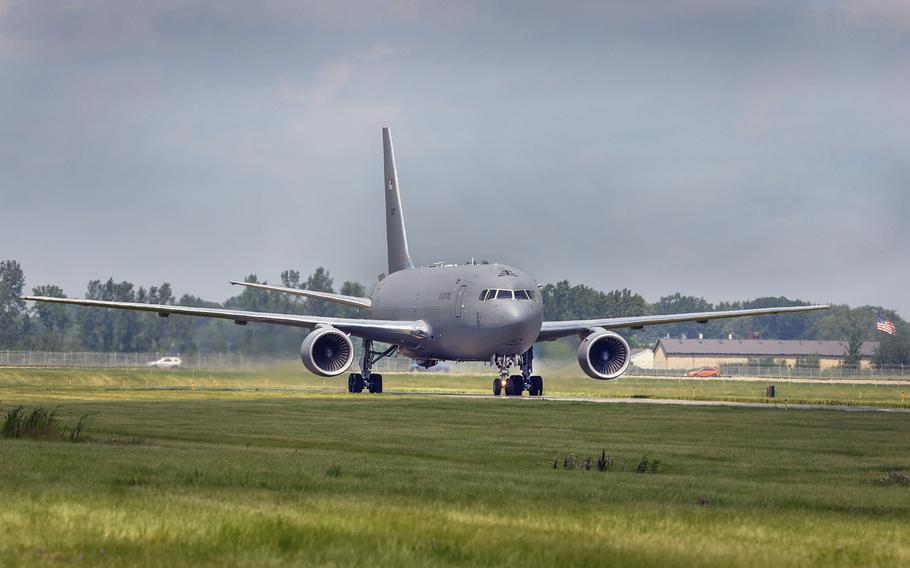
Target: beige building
x=643, y=358
x=694, y=353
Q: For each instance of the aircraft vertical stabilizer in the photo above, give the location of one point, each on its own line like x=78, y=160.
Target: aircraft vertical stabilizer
x=396, y=236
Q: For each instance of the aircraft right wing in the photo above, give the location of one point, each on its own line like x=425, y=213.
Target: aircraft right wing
x=555, y=329
x=354, y=301
x=386, y=331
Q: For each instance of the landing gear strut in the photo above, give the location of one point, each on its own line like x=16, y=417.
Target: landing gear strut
x=514, y=385
x=365, y=378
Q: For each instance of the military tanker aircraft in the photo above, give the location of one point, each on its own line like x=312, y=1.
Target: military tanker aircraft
x=453, y=312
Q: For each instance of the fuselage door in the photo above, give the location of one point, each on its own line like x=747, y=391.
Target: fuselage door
x=459, y=300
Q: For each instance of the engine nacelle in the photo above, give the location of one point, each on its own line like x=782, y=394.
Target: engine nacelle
x=604, y=355
x=327, y=352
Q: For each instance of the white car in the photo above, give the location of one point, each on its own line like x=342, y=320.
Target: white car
x=166, y=363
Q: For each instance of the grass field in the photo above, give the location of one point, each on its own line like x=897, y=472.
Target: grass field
x=23, y=382
x=214, y=477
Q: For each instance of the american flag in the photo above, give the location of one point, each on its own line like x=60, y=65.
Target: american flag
x=885, y=325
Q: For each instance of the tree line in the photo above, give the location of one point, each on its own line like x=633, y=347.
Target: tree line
x=52, y=327
x=841, y=323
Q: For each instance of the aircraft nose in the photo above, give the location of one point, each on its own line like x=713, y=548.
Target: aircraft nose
x=520, y=316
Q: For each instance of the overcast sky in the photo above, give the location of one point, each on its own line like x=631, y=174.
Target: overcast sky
x=723, y=149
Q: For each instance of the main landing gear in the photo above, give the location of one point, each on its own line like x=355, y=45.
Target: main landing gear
x=366, y=379
x=515, y=385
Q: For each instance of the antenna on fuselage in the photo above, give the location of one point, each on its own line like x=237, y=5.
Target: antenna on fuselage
x=396, y=236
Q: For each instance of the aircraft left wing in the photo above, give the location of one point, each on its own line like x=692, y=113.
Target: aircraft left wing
x=551, y=330
x=386, y=331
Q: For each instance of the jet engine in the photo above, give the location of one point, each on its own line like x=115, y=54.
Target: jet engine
x=327, y=352
x=604, y=355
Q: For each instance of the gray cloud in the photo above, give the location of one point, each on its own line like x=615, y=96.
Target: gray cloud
x=729, y=149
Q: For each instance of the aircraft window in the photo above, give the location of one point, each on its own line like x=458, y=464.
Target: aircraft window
x=530, y=294
x=483, y=295
x=504, y=295
x=521, y=294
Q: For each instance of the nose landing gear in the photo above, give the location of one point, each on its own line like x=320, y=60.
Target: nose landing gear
x=515, y=385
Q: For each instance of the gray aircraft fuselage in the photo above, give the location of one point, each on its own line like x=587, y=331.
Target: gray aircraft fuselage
x=462, y=327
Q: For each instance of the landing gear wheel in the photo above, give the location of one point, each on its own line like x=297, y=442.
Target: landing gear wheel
x=355, y=383
x=375, y=383
x=536, y=386
x=515, y=385
x=497, y=387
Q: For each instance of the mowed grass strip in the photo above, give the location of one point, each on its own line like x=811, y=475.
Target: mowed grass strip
x=277, y=479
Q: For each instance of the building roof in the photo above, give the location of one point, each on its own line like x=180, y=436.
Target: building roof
x=760, y=347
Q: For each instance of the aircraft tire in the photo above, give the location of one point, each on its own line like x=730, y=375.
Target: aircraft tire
x=497, y=387
x=351, y=382
x=376, y=386
x=536, y=385
x=515, y=385
x=358, y=383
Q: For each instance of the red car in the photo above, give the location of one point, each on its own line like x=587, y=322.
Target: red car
x=704, y=372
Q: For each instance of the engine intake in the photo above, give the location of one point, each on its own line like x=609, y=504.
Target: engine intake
x=603, y=355
x=327, y=352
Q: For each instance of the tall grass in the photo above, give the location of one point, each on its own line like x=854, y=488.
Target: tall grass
x=41, y=424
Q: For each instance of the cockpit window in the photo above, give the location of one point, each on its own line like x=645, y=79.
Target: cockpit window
x=504, y=295
x=530, y=294
x=521, y=294
x=483, y=295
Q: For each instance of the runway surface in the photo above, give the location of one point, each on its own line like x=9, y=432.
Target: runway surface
x=671, y=402
x=543, y=399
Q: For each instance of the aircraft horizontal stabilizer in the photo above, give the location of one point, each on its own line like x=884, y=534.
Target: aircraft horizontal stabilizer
x=363, y=303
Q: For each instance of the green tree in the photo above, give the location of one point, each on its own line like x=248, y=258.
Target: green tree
x=12, y=280
x=351, y=288
x=853, y=353
x=678, y=304
x=320, y=281
x=50, y=321
x=290, y=279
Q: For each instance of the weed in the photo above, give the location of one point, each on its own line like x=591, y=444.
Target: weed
x=893, y=478
x=41, y=424
x=77, y=432
x=569, y=461
x=333, y=471
x=647, y=466
x=587, y=465
x=605, y=462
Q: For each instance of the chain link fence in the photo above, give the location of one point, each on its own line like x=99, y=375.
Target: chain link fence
x=241, y=362
x=203, y=361
x=782, y=371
